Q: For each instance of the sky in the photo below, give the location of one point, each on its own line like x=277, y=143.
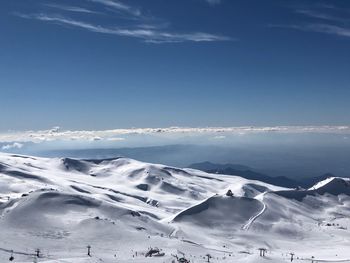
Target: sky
x=108, y=64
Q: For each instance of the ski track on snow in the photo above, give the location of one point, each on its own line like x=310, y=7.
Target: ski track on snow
x=253, y=218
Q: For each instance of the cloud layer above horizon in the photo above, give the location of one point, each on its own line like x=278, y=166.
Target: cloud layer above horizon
x=56, y=134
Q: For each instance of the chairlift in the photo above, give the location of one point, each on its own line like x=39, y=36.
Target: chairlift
x=11, y=257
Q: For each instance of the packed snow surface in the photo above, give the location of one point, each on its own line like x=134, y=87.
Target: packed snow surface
x=123, y=209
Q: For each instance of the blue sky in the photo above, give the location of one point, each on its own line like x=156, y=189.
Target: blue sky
x=102, y=64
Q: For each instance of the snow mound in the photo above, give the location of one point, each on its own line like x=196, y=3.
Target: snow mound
x=218, y=210
x=253, y=190
x=76, y=165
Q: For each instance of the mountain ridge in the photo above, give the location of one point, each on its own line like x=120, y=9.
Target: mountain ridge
x=64, y=204
x=250, y=173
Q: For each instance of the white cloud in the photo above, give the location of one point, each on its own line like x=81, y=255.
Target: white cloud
x=319, y=28
x=148, y=35
x=329, y=29
x=115, y=139
x=131, y=22
x=76, y=9
x=326, y=19
x=220, y=137
x=319, y=15
x=119, y=6
x=15, y=145
x=115, y=135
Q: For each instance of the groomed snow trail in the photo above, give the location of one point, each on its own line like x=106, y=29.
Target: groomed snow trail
x=253, y=218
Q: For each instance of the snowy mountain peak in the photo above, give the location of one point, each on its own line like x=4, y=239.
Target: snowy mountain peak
x=333, y=185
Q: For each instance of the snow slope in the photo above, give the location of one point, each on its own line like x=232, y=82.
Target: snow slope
x=122, y=207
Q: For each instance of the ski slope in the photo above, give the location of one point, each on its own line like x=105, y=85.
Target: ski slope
x=253, y=218
x=122, y=207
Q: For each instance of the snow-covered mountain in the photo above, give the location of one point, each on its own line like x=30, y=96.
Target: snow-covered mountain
x=122, y=208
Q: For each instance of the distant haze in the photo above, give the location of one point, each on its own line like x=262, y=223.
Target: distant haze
x=294, y=162
x=288, y=151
